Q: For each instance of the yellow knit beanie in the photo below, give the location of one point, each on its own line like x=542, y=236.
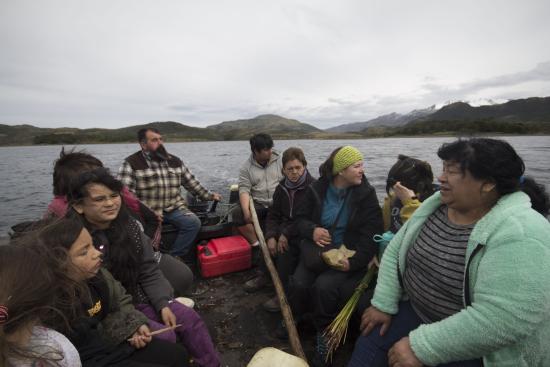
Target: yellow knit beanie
x=345, y=157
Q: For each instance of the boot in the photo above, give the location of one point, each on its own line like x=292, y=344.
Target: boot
x=321, y=351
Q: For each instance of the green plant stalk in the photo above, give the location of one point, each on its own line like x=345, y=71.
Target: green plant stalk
x=337, y=331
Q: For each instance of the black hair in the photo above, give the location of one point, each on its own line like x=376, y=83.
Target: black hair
x=142, y=133
x=69, y=166
x=496, y=161
x=325, y=169
x=414, y=174
x=260, y=142
x=123, y=259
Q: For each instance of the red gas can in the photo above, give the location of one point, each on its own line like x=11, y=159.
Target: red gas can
x=224, y=255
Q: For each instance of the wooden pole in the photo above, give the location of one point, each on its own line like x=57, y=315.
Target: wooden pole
x=293, y=336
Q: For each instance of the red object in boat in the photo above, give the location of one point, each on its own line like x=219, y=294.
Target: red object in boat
x=224, y=255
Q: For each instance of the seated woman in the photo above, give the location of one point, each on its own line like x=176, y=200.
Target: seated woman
x=68, y=168
x=104, y=325
x=281, y=234
x=129, y=257
x=340, y=208
x=27, y=299
x=465, y=282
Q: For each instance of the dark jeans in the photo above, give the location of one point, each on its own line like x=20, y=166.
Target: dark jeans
x=286, y=263
x=372, y=350
x=188, y=225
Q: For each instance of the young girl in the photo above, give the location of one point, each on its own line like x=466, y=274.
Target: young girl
x=27, y=300
x=129, y=257
x=409, y=182
x=108, y=329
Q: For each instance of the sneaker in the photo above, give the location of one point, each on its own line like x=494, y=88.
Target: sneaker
x=255, y=284
x=321, y=351
x=272, y=305
x=186, y=301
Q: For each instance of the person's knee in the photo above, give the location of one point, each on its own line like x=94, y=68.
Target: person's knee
x=195, y=221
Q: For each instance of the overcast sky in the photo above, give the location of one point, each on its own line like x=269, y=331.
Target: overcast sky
x=115, y=63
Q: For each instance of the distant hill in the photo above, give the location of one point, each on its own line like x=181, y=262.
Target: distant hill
x=278, y=127
x=389, y=120
x=521, y=116
x=29, y=135
x=536, y=109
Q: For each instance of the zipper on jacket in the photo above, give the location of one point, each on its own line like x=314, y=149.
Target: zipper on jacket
x=466, y=296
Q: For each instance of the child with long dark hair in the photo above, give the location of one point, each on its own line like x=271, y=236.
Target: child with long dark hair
x=95, y=198
x=105, y=327
x=28, y=289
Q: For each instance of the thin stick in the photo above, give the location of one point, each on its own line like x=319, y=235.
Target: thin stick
x=159, y=331
x=293, y=336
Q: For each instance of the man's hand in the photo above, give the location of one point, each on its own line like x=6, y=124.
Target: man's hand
x=401, y=355
x=272, y=246
x=282, y=244
x=372, y=317
x=321, y=237
x=168, y=317
x=141, y=337
x=216, y=196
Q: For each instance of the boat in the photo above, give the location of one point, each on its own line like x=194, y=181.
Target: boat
x=237, y=322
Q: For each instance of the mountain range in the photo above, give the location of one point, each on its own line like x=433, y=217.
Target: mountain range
x=521, y=116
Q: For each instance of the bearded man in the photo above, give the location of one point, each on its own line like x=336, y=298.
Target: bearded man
x=155, y=176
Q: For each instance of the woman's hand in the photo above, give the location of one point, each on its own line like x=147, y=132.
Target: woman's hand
x=272, y=246
x=321, y=236
x=401, y=355
x=282, y=244
x=168, y=317
x=372, y=317
x=141, y=337
x=402, y=192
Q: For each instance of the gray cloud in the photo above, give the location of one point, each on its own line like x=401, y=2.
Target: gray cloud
x=111, y=64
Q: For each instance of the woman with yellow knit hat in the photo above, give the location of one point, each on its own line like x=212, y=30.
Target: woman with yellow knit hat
x=341, y=208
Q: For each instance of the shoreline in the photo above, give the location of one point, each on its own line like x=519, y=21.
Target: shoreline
x=296, y=138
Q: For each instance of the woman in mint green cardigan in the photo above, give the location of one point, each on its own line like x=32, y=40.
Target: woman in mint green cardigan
x=466, y=281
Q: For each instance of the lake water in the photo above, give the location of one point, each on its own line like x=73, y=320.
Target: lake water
x=26, y=172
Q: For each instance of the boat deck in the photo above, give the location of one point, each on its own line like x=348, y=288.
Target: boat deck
x=240, y=326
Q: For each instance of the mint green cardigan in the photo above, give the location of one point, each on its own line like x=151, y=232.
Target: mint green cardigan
x=507, y=320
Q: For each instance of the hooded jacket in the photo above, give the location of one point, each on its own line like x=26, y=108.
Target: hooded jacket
x=260, y=182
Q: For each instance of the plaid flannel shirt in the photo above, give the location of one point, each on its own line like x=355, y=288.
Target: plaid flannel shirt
x=158, y=186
